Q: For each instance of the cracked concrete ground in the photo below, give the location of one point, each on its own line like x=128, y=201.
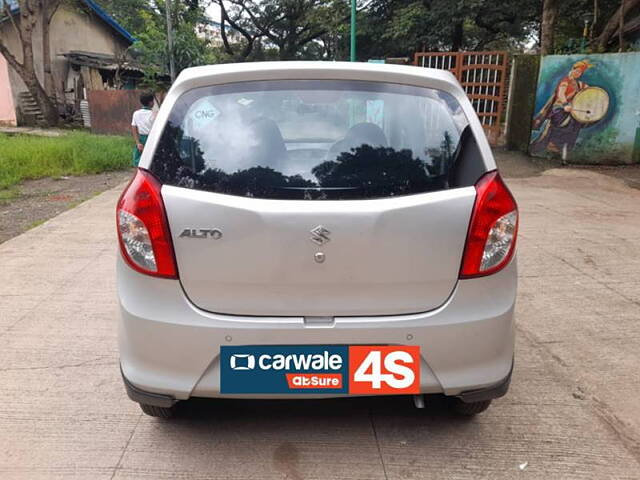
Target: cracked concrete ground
x=572, y=411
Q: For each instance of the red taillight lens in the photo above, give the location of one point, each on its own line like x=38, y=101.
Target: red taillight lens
x=491, y=239
x=143, y=231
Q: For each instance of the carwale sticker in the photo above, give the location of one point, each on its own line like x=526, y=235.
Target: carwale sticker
x=331, y=369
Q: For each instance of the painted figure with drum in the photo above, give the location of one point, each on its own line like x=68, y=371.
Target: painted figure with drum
x=572, y=106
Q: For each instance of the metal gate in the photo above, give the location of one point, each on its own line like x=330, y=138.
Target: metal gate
x=111, y=110
x=483, y=75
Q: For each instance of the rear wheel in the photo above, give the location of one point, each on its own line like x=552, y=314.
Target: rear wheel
x=469, y=409
x=159, y=412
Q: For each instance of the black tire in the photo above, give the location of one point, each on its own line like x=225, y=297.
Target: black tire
x=469, y=409
x=159, y=412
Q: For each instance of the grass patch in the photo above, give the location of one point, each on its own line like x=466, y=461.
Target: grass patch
x=24, y=157
x=8, y=194
x=35, y=224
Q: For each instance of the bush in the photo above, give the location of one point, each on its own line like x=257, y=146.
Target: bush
x=25, y=157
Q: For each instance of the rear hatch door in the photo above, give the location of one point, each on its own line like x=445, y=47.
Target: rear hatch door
x=325, y=258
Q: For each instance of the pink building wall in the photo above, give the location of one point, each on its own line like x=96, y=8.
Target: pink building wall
x=7, y=109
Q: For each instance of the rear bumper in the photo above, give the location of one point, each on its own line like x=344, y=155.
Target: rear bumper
x=159, y=400
x=140, y=396
x=169, y=349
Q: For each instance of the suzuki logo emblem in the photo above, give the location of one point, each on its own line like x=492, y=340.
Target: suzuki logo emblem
x=320, y=235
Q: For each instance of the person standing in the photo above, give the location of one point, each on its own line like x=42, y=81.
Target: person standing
x=141, y=125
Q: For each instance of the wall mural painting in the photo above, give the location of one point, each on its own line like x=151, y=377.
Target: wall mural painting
x=587, y=108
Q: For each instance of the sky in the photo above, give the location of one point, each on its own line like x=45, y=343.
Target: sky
x=214, y=11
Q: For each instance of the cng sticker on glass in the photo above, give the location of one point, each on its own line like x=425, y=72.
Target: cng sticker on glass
x=332, y=369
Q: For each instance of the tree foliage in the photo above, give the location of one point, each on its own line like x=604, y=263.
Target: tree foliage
x=602, y=17
x=146, y=20
x=297, y=28
x=401, y=27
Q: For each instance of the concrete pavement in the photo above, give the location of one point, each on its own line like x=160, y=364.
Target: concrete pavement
x=572, y=411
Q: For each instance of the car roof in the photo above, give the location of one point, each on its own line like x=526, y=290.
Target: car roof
x=260, y=71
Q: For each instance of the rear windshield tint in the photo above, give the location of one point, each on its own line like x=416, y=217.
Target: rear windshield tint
x=314, y=140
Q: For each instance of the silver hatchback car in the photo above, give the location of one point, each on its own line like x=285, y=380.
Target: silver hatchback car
x=311, y=229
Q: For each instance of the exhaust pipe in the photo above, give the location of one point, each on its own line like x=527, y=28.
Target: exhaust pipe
x=418, y=401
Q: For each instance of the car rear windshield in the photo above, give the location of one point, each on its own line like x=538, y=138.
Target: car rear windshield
x=313, y=140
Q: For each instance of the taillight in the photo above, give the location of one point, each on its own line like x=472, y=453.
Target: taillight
x=143, y=231
x=491, y=239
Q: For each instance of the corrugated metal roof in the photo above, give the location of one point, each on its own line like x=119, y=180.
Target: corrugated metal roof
x=101, y=61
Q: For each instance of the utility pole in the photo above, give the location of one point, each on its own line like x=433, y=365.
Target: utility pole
x=353, y=30
x=621, y=27
x=172, y=66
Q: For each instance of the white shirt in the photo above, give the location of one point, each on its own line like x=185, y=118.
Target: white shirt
x=143, y=119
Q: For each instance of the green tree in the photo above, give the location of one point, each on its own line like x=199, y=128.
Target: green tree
x=146, y=21
x=400, y=27
x=298, y=28
x=131, y=14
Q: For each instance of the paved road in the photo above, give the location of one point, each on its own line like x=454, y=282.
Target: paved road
x=573, y=410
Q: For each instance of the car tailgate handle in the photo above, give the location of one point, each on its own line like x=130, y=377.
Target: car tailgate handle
x=319, y=322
